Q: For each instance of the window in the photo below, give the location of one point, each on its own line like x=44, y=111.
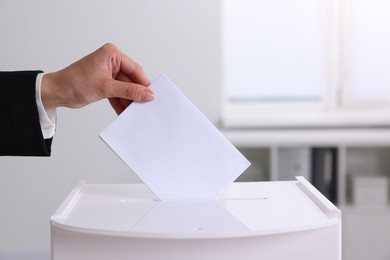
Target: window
x=306, y=62
x=367, y=51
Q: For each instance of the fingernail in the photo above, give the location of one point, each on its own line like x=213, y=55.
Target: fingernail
x=147, y=95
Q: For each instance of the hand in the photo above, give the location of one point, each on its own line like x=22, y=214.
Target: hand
x=105, y=73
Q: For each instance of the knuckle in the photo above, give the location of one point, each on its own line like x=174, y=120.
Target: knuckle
x=108, y=48
x=108, y=45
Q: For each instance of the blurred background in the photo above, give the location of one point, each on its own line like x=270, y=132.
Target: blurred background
x=301, y=87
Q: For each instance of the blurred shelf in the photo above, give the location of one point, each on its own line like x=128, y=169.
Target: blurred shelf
x=309, y=136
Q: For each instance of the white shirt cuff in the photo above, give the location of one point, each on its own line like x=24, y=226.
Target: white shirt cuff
x=47, y=118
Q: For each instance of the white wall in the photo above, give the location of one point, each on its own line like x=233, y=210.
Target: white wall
x=179, y=38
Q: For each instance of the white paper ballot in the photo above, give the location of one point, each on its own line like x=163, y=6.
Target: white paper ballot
x=173, y=148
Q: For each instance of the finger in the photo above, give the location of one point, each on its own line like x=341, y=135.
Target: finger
x=120, y=104
x=134, y=71
x=123, y=77
x=125, y=64
x=128, y=90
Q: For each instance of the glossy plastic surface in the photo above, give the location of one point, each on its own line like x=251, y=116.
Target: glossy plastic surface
x=243, y=210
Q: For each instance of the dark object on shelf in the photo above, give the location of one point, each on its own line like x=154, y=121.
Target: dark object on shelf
x=324, y=171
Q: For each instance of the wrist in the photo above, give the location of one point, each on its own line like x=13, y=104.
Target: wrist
x=51, y=94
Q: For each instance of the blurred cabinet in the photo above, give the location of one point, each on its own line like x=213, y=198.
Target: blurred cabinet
x=349, y=166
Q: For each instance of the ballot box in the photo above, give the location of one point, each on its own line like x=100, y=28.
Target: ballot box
x=254, y=220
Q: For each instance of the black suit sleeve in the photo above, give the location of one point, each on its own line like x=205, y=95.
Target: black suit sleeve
x=20, y=130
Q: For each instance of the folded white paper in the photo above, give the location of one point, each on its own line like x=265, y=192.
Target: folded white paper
x=173, y=148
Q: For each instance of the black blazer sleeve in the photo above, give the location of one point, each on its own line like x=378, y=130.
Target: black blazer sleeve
x=20, y=130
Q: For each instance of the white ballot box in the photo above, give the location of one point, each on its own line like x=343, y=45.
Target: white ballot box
x=255, y=220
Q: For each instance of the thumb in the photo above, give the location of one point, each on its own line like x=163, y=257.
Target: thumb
x=131, y=91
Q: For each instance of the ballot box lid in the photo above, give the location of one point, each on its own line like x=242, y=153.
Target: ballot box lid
x=244, y=209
